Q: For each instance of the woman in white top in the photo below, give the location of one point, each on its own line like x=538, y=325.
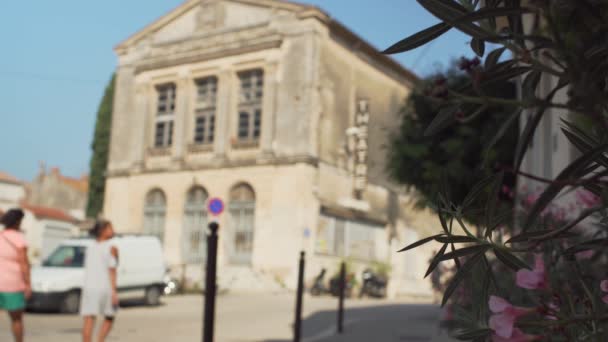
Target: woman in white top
x=99, y=296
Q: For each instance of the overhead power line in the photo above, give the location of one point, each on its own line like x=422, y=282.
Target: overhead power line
x=45, y=77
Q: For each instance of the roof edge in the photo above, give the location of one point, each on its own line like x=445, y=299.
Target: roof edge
x=341, y=30
x=304, y=11
x=189, y=4
x=156, y=24
x=348, y=35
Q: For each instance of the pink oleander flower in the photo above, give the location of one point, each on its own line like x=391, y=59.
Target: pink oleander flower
x=504, y=315
x=507, y=191
x=534, y=279
x=584, y=255
x=531, y=199
x=560, y=214
x=604, y=288
x=587, y=198
x=517, y=336
x=552, y=308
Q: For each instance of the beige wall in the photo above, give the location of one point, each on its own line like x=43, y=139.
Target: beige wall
x=10, y=194
x=345, y=78
x=284, y=207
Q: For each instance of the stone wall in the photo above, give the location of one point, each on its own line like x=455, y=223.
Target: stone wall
x=284, y=208
x=54, y=190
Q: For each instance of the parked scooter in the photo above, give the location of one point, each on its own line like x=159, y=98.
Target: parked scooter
x=172, y=286
x=374, y=285
x=318, y=288
x=334, y=286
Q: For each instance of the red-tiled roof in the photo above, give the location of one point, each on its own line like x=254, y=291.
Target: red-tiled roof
x=49, y=213
x=79, y=184
x=7, y=178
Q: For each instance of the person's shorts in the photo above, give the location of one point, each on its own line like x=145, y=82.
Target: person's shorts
x=97, y=303
x=12, y=301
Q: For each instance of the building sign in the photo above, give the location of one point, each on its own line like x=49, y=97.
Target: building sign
x=362, y=125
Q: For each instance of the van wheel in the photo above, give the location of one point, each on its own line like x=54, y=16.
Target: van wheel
x=70, y=303
x=152, y=296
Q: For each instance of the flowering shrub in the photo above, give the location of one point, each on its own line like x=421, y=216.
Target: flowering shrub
x=543, y=277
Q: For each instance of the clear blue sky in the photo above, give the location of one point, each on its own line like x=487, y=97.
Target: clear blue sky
x=57, y=58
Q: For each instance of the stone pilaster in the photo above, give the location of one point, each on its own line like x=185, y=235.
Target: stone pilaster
x=180, y=123
x=142, y=113
x=222, y=115
x=269, y=109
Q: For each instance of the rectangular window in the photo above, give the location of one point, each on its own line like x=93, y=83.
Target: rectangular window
x=251, y=94
x=204, y=128
x=243, y=126
x=325, y=235
x=361, y=240
x=348, y=238
x=165, y=110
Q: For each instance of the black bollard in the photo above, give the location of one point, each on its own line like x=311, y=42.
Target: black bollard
x=342, y=289
x=297, y=329
x=210, y=286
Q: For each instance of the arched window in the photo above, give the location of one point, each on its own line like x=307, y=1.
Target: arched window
x=242, y=220
x=155, y=209
x=195, y=225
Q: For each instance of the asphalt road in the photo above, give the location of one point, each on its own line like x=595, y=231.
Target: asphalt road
x=248, y=317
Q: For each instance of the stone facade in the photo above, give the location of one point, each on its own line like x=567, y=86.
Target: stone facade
x=326, y=101
x=54, y=190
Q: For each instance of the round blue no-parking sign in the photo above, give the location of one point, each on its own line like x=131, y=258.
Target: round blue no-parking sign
x=216, y=206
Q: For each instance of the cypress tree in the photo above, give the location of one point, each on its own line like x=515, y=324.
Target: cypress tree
x=101, y=148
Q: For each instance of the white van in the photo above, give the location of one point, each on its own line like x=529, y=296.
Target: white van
x=58, y=282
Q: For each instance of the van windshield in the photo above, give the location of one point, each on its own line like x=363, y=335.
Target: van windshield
x=66, y=256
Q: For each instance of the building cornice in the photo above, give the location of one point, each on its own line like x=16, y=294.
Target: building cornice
x=202, y=55
x=222, y=163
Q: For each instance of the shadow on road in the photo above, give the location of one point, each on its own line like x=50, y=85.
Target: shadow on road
x=398, y=322
x=125, y=304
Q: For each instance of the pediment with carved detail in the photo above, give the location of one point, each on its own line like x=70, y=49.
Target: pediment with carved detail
x=198, y=18
x=210, y=15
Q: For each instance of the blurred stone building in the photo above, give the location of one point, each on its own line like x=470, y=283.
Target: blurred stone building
x=44, y=227
x=282, y=112
x=55, y=190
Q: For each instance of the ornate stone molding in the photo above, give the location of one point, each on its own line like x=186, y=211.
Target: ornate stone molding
x=222, y=163
x=209, y=54
x=211, y=15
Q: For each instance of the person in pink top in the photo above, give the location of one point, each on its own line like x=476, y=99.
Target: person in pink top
x=15, y=286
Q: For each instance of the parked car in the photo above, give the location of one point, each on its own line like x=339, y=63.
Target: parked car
x=57, y=283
